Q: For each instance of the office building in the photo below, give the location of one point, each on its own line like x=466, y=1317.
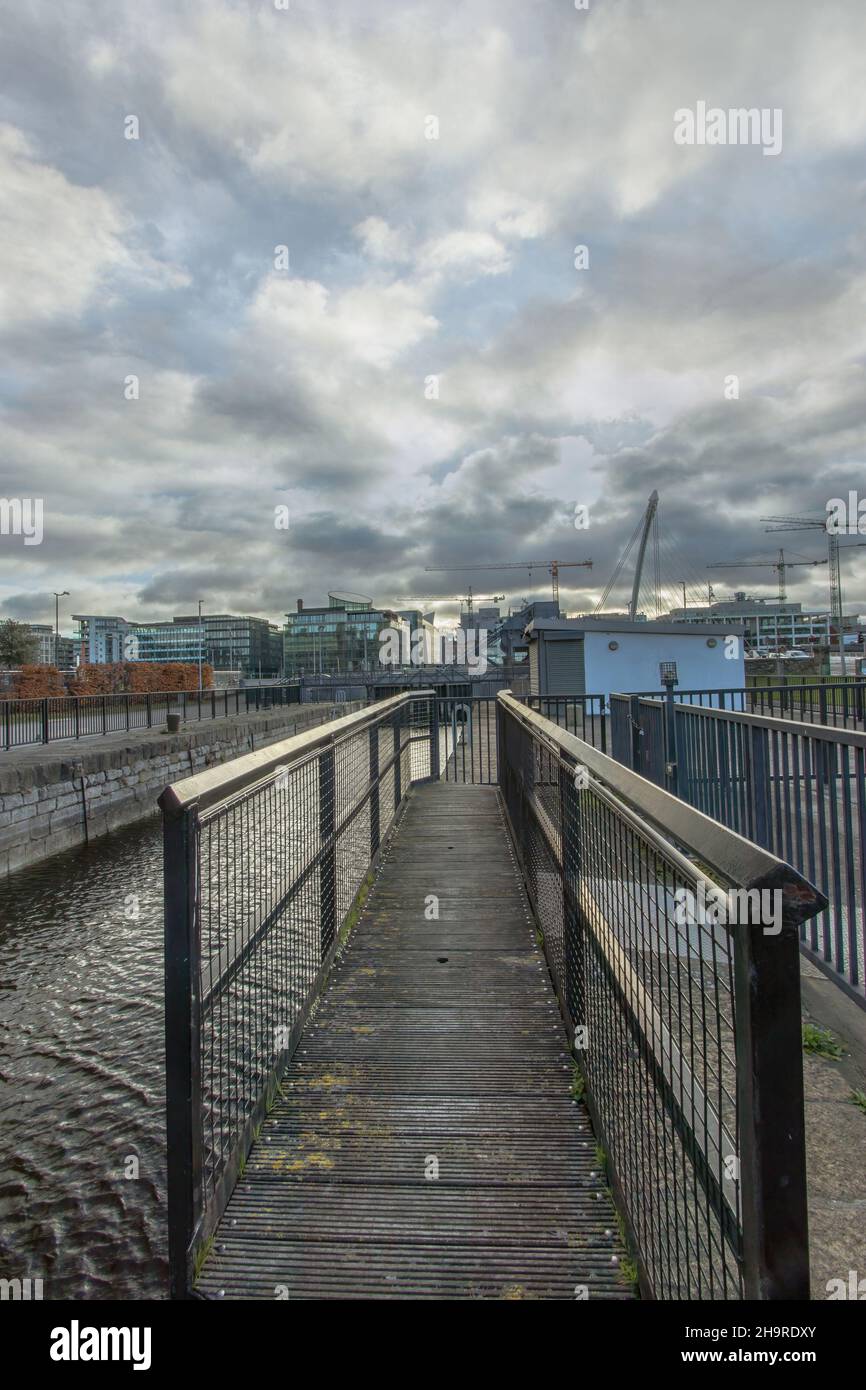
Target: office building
x=769, y=624
x=507, y=643
x=252, y=646
x=103, y=639
x=50, y=650
x=337, y=639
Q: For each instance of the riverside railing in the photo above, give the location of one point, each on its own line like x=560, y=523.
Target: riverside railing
x=672, y=943
x=266, y=859
x=583, y=715
x=838, y=703
x=797, y=789
x=43, y=720
x=467, y=730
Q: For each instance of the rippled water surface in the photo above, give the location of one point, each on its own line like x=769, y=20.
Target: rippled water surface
x=82, y=1064
x=81, y=1070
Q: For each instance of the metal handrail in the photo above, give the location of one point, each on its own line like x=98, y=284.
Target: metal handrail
x=615, y=844
x=732, y=855
x=217, y=784
x=831, y=732
x=792, y=786
x=229, y=823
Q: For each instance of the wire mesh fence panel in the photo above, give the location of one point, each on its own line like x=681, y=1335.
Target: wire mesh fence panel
x=259, y=912
x=664, y=1000
x=265, y=864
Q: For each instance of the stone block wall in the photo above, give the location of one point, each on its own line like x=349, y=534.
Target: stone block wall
x=53, y=799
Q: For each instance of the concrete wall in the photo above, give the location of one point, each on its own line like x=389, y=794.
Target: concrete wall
x=56, y=798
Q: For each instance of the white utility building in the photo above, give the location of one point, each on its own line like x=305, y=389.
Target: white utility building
x=593, y=656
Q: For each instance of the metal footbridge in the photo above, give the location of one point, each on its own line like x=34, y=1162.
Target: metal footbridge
x=438, y=1027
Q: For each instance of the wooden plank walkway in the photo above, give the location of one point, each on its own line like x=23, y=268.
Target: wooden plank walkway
x=427, y=1145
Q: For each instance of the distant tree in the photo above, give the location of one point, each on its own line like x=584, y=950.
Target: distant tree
x=18, y=646
x=35, y=682
x=139, y=677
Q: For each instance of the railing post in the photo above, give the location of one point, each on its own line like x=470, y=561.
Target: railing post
x=500, y=740
x=149, y=711
x=328, y=850
x=636, y=731
x=182, y=1050
x=7, y=719
x=434, y=739
x=127, y=701
x=672, y=766
x=374, y=790
x=104, y=715
x=759, y=785
x=398, y=772
x=772, y=1140
x=46, y=733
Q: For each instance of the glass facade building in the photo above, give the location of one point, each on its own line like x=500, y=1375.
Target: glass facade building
x=338, y=639
x=252, y=646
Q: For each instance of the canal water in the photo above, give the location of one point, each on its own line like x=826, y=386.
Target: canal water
x=82, y=1090
x=82, y=1166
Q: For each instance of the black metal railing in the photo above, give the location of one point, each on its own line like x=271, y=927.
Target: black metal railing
x=638, y=736
x=467, y=731
x=835, y=702
x=28, y=721
x=583, y=715
x=467, y=739
x=266, y=859
x=685, y=1021
x=797, y=789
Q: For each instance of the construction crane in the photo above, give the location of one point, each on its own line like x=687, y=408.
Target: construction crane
x=819, y=523
x=554, y=566
x=469, y=599
x=781, y=566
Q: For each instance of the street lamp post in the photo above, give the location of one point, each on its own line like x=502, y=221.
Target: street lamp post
x=199, y=644
x=64, y=593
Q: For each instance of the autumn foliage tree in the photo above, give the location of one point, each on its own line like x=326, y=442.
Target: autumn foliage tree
x=169, y=675
x=104, y=678
x=36, y=682
x=138, y=677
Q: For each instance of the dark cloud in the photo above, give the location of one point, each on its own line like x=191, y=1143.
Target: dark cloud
x=412, y=260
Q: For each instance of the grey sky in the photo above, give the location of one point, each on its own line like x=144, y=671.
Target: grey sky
x=413, y=257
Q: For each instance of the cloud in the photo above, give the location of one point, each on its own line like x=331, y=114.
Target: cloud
x=419, y=262
x=60, y=242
